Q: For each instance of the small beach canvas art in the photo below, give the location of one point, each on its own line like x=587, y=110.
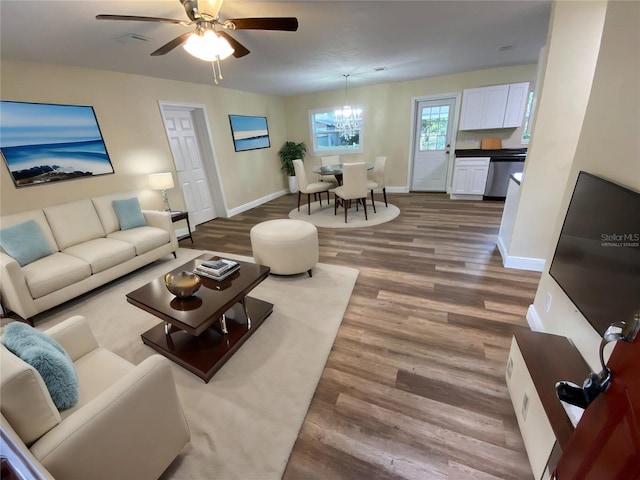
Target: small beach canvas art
x=43, y=143
x=249, y=133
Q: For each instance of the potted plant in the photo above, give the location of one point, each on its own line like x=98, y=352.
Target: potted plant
x=289, y=152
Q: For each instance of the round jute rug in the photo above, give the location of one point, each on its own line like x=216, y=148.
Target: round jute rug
x=324, y=217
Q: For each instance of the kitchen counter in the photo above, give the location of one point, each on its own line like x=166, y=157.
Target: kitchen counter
x=517, y=177
x=502, y=152
x=508, y=221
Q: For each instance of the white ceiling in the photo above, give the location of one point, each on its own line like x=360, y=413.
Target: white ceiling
x=412, y=39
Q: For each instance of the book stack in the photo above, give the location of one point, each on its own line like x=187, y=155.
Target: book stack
x=217, y=270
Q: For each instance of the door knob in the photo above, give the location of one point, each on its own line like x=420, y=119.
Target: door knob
x=596, y=383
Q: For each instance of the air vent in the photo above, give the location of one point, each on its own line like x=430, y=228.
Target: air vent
x=380, y=69
x=505, y=48
x=132, y=39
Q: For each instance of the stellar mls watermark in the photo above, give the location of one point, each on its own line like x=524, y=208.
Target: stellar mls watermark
x=620, y=240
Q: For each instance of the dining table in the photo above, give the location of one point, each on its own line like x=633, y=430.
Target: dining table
x=335, y=170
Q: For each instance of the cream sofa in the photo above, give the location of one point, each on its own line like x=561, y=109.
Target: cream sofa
x=128, y=422
x=89, y=249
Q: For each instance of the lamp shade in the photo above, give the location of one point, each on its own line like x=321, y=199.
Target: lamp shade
x=161, y=181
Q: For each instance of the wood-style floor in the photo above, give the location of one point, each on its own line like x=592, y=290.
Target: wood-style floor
x=414, y=386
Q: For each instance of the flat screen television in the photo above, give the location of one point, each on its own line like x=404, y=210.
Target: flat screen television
x=597, y=259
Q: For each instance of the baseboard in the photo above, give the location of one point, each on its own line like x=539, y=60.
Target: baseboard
x=520, y=263
x=502, y=248
x=533, y=319
x=397, y=189
x=524, y=263
x=181, y=232
x=255, y=203
x=273, y=196
x=456, y=196
x=405, y=189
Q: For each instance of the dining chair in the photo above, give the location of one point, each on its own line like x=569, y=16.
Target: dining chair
x=354, y=187
x=327, y=161
x=305, y=187
x=379, y=180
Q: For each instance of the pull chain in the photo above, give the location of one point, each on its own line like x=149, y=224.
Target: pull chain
x=216, y=75
x=219, y=69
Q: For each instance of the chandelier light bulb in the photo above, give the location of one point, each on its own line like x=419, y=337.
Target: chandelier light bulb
x=348, y=120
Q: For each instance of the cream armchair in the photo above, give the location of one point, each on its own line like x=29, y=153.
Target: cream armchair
x=128, y=422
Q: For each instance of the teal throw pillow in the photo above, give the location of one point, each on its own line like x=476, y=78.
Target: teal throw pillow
x=129, y=213
x=48, y=357
x=25, y=242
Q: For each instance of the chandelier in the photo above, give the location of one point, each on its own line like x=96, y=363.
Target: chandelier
x=348, y=119
x=206, y=45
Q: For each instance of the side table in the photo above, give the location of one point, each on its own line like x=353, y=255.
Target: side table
x=537, y=361
x=176, y=216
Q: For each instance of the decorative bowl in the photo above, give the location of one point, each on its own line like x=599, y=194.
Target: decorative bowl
x=182, y=284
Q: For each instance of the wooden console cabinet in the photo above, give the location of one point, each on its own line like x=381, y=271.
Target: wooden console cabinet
x=536, y=362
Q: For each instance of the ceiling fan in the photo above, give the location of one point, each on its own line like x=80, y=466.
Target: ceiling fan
x=210, y=41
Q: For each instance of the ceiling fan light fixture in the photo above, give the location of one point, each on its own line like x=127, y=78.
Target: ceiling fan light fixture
x=208, y=46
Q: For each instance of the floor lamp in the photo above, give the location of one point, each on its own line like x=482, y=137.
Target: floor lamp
x=162, y=181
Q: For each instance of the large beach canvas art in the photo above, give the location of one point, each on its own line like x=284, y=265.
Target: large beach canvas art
x=249, y=133
x=43, y=143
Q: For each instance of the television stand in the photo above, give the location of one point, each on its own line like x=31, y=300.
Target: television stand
x=536, y=362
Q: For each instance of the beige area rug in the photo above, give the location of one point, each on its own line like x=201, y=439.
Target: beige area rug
x=245, y=421
x=324, y=217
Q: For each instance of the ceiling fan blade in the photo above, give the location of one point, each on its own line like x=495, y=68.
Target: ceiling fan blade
x=239, y=49
x=167, y=47
x=289, y=24
x=141, y=19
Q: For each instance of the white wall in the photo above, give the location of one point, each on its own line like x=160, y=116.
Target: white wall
x=574, y=41
x=608, y=146
x=387, y=114
x=129, y=116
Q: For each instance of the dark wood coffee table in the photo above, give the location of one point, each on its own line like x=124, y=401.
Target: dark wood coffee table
x=203, y=331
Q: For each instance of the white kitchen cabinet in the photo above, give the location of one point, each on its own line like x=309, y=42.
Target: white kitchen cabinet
x=497, y=106
x=516, y=104
x=469, y=178
x=483, y=107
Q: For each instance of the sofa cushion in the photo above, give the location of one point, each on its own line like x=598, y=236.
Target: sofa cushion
x=73, y=223
x=102, y=253
x=97, y=371
x=144, y=239
x=48, y=357
x=24, y=242
x=38, y=217
x=129, y=213
x=104, y=206
x=26, y=402
x=54, y=272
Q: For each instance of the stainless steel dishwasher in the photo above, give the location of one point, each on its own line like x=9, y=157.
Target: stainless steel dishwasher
x=500, y=168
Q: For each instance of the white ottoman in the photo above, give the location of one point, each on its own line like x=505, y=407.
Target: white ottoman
x=285, y=245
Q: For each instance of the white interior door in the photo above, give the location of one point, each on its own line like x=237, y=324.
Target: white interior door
x=432, y=144
x=185, y=148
